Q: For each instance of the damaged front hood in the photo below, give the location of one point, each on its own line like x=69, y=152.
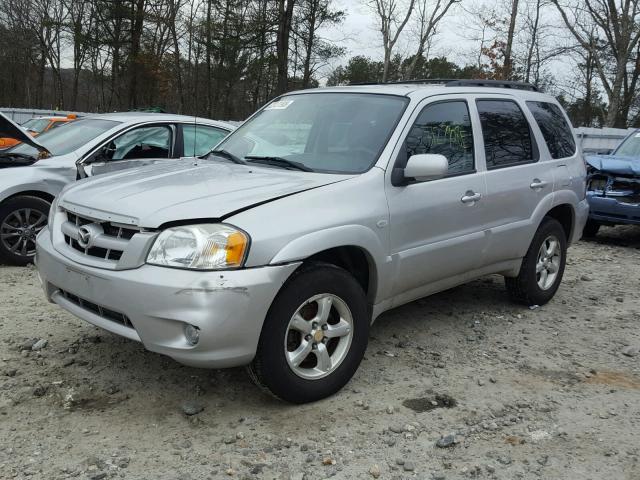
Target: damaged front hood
x=10, y=129
x=185, y=190
x=617, y=165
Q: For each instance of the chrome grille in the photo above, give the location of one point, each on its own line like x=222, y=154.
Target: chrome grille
x=99, y=310
x=108, y=240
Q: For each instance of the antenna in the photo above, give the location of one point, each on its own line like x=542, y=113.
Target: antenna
x=195, y=122
x=195, y=117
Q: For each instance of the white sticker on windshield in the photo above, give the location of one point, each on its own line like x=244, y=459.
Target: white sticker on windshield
x=637, y=135
x=279, y=105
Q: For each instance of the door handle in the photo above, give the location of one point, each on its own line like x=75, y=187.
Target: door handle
x=537, y=183
x=471, y=197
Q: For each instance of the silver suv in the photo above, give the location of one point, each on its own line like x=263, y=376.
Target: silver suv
x=323, y=210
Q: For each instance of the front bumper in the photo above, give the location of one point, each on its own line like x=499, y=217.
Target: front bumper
x=610, y=210
x=153, y=304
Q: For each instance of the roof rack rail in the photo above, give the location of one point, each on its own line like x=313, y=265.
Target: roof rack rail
x=493, y=84
x=457, y=82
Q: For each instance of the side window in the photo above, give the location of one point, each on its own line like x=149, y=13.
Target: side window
x=444, y=128
x=555, y=130
x=199, y=139
x=143, y=142
x=506, y=133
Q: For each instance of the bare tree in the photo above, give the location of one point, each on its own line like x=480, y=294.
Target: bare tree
x=428, y=20
x=313, y=15
x=391, y=24
x=610, y=30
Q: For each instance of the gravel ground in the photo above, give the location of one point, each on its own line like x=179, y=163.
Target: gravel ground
x=459, y=385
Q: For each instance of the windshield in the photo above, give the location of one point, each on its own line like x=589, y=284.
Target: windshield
x=323, y=132
x=36, y=125
x=630, y=147
x=67, y=138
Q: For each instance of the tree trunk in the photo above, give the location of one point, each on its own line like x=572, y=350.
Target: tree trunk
x=285, y=16
x=208, y=60
x=306, y=75
x=385, y=68
x=176, y=62
x=136, y=36
x=534, y=39
x=508, y=67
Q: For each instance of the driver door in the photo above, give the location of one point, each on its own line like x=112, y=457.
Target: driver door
x=437, y=226
x=137, y=147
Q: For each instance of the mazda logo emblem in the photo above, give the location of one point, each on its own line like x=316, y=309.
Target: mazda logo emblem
x=84, y=237
x=88, y=233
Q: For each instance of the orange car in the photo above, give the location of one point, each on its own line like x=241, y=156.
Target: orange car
x=35, y=126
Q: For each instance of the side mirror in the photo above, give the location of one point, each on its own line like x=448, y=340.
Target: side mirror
x=424, y=166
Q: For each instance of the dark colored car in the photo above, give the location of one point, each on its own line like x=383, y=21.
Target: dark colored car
x=613, y=186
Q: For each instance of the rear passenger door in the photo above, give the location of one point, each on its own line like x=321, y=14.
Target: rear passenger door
x=517, y=181
x=436, y=229
x=560, y=146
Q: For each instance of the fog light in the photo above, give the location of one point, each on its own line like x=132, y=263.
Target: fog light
x=192, y=333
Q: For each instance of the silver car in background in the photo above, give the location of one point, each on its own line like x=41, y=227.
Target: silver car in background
x=34, y=172
x=322, y=211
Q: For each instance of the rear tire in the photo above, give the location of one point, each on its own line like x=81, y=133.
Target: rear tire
x=21, y=219
x=591, y=229
x=542, y=267
x=314, y=336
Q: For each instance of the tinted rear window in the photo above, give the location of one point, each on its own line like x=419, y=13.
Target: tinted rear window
x=555, y=129
x=506, y=133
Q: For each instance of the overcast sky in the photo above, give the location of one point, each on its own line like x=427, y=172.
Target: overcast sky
x=360, y=35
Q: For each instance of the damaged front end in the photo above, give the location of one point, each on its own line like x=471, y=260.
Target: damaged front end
x=10, y=158
x=613, y=190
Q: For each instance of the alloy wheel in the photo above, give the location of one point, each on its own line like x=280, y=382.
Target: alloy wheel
x=548, y=262
x=318, y=336
x=19, y=229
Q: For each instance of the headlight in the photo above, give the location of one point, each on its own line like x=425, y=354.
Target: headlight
x=200, y=247
x=52, y=213
x=598, y=184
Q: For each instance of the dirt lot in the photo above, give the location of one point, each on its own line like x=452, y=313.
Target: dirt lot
x=508, y=392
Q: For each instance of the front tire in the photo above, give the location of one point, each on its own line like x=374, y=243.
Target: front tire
x=542, y=267
x=314, y=336
x=21, y=219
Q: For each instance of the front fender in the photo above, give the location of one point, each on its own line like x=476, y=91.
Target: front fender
x=15, y=182
x=340, y=236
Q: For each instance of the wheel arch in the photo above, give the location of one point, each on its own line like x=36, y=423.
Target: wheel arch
x=354, y=248
x=565, y=215
x=47, y=197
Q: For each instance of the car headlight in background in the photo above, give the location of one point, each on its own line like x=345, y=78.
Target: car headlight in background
x=200, y=247
x=598, y=183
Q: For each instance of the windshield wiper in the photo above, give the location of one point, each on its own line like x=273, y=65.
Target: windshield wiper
x=279, y=162
x=228, y=156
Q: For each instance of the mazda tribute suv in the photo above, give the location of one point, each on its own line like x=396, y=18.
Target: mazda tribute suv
x=326, y=208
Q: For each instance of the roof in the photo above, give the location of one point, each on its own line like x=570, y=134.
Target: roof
x=135, y=117
x=419, y=90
